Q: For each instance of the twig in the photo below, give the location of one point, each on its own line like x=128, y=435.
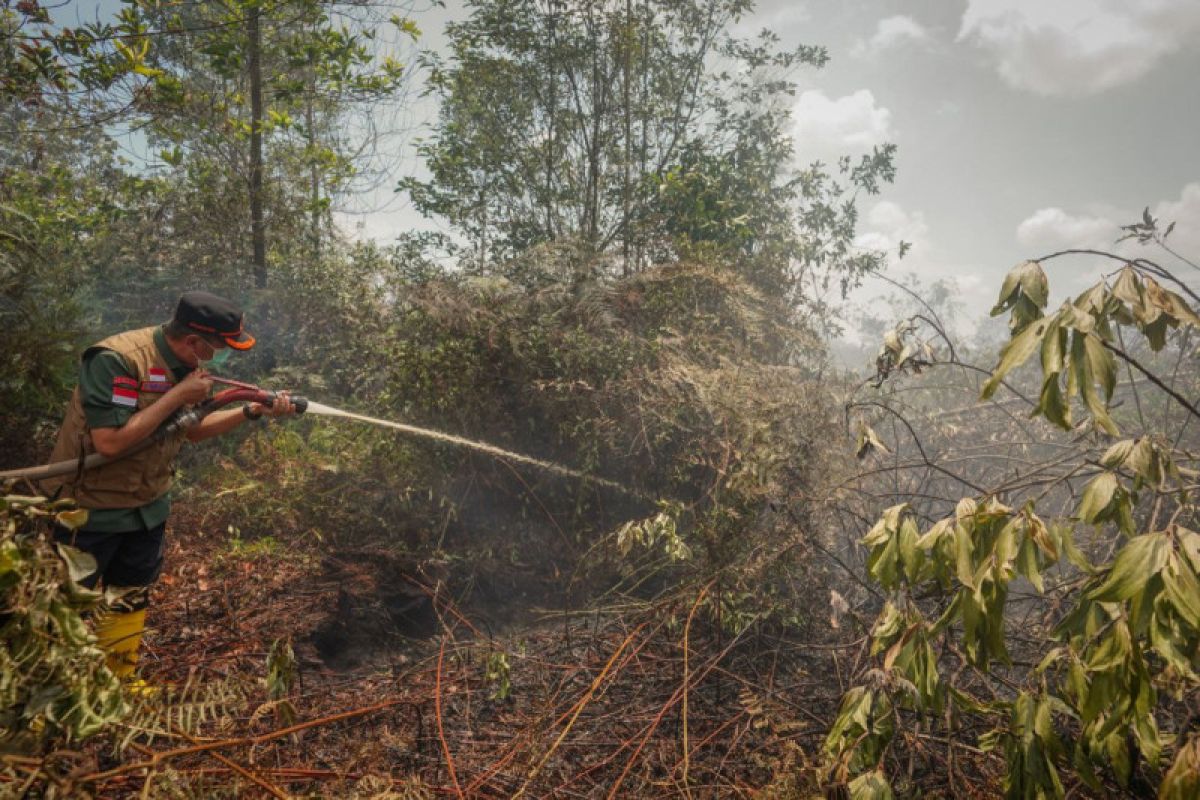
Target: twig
x=437, y=707
x=167, y=755
x=686, y=649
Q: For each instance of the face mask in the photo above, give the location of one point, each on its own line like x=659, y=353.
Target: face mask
x=218, y=358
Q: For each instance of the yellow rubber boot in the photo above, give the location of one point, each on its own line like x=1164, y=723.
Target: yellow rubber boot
x=119, y=635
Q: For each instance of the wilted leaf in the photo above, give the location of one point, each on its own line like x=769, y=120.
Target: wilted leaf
x=72, y=520
x=1015, y=353
x=868, y=440
x=1141, y=559
x=1026, y=279
x=1091, y=363
x=837, y=607
x=1183, y=590
x=1052, y=404
x=79, y=564
x=1116, y=454
x=1182, y=781
x=1097, y=496
x=871, y=786
x=1027, y=564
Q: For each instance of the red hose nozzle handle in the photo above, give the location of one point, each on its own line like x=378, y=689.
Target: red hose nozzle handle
x=250, y=394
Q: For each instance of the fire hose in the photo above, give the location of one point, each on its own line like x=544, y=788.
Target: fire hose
x=177, y=425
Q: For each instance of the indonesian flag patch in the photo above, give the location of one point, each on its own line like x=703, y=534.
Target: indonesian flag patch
x=124, y=391
x=157, y=381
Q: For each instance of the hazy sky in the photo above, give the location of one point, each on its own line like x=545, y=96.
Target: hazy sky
x=1024, y=126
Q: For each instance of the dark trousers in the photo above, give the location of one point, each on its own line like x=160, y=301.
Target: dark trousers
x=126, y=558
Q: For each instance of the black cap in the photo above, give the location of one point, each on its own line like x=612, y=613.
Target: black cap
x=215, y=317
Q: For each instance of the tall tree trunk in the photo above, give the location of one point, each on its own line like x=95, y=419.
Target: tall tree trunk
x=257, y=233
x=627, y=47
x=551, y=120
x=315, y=177
x=643, y=106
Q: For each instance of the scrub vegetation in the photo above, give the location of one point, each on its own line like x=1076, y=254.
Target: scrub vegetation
x=971, y=571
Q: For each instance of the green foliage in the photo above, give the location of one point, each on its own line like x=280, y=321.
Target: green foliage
x=54, y=685
x=1078, y=354
x=862, y=731
x=1032, y=747
x=282, y=672
x=498, y=673
x=656, y=531
x=1128, y=644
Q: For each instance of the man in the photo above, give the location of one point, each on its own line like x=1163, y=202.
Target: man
x=129, y=385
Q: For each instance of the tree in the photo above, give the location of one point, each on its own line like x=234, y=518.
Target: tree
x=640, y=129
x=252, y=102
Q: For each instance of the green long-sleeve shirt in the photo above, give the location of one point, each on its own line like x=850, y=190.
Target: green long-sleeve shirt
x=96, y=375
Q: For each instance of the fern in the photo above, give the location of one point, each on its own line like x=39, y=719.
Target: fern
x=184, y=711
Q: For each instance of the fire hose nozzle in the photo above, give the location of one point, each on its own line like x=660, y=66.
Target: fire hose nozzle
x=299, y=401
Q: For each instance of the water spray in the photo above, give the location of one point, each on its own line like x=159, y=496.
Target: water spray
x=482, y=447
x=238, y=391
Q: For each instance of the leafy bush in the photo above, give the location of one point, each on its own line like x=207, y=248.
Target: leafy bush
x=54, y=685
x=1107, y=675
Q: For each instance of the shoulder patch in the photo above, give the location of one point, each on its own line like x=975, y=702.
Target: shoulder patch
x=124, y=391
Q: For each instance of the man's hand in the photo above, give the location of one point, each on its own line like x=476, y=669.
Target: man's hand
x=189, y=391
x=194, y=388
x=282, y=407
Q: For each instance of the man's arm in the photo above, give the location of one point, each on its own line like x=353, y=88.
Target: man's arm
x=226, y=420
x=111, y=441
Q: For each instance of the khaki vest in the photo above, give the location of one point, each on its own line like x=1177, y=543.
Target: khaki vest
x=137, y=479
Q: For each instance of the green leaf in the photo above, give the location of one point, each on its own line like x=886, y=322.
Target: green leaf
x=1052, y=403
x=1118, y=757
x=1027, y=565
x=1066, y=538
x=1163, y=638
x=1137, y=562
x=1116, y=454
x=912, y=556
x=1015, y=353
x=871, y=786
x=1097, y=496
x=963, y=550
x=1183, y=590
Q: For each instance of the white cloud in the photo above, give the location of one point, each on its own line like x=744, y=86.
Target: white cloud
x=884, y=226
x=891, y=32
x=1081, y=47
x=1055, y=229
x=826, y=129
